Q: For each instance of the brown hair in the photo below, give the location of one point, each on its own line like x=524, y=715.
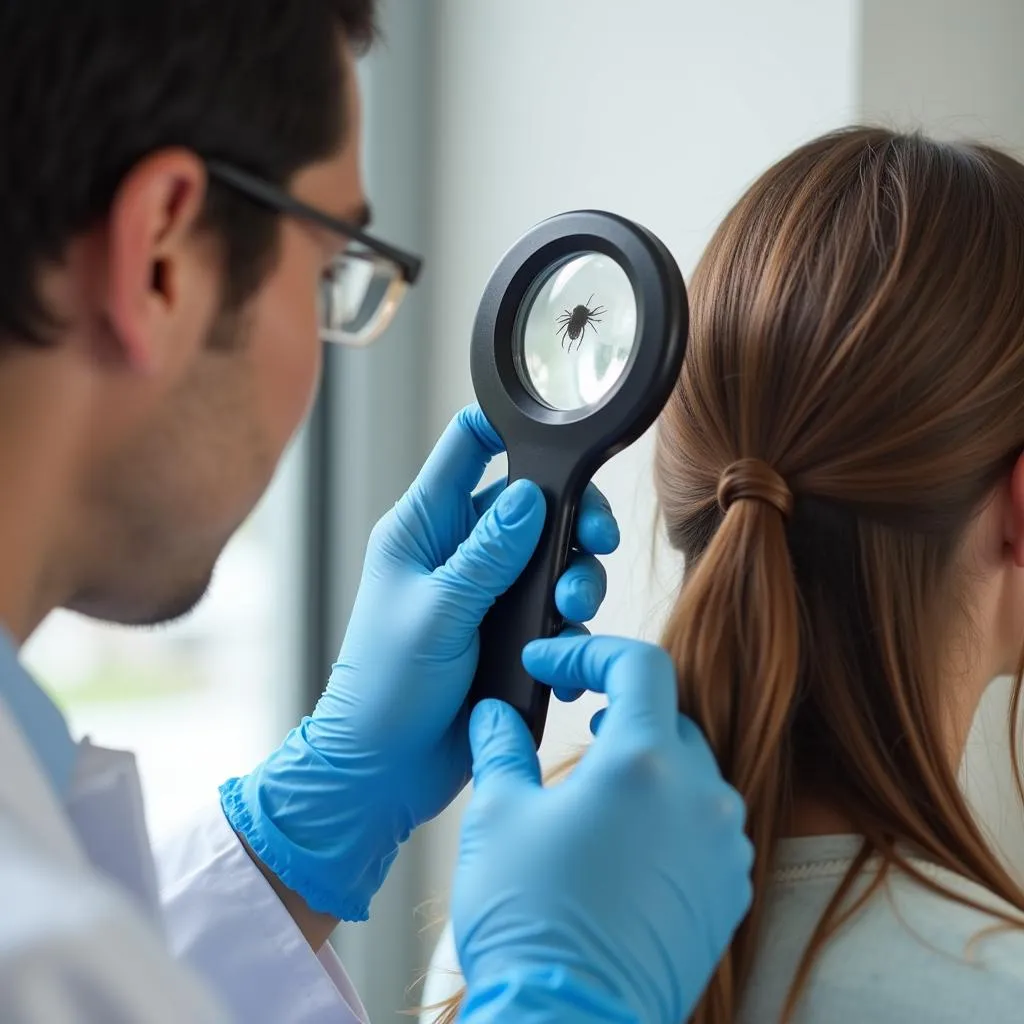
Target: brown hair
x=852, y=394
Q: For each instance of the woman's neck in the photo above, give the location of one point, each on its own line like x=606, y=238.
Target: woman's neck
x=815, y=816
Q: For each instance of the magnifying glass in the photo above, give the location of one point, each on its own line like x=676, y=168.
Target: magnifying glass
x=577, y=345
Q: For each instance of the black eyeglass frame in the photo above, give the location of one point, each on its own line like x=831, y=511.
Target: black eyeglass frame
x=264, y=192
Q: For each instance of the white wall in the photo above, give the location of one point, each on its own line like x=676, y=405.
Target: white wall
x=661, y=110
x=954, y=68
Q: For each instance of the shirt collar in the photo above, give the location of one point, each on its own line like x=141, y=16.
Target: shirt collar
x=41, y=723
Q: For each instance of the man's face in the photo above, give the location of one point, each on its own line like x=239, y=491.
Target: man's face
x=202, y=448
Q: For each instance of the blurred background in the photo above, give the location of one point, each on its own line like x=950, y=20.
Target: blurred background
x=483, y=117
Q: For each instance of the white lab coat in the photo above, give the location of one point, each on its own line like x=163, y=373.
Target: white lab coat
x=87, y=917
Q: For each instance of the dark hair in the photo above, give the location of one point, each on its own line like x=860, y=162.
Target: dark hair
x=88, y=89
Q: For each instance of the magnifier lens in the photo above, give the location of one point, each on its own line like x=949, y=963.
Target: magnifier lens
x=575, y=332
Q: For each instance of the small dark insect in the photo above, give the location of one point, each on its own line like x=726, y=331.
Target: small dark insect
x=573, y=326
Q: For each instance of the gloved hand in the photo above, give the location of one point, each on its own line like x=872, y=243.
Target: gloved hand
x=387, y=747
x=612, y=895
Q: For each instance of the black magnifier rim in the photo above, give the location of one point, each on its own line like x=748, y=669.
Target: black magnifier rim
x=643, y=387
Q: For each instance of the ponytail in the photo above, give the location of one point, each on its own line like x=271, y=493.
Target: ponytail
x=735, y=638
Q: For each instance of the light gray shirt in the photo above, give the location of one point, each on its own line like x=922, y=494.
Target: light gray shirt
x=905, y=958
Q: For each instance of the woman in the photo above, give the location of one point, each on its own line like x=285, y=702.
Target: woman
x=841, y=466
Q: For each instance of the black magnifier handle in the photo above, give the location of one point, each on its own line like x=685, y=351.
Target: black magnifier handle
x=562, y=405
x=527, y=611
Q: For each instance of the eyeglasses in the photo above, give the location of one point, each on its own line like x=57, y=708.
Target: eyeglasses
x=363, y=286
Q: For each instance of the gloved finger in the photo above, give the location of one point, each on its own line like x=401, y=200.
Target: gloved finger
x=696, y=744
x=484, y=499
x=581, y=588
x=701, y=755
x=638, y=678
x=597, y=530
x=459, y=458
x=490, y=559
x=568, y=694
x=502, y=746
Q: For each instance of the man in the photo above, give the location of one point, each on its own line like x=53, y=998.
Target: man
x=179, y=181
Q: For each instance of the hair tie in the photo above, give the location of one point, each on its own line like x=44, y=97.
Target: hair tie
x=754, y=480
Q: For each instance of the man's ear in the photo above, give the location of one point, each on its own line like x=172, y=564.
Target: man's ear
x=150, y=237
x=1013, y=526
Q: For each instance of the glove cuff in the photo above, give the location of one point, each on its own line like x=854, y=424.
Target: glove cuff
x=338, y=877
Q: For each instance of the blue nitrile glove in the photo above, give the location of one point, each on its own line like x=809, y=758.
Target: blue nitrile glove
x=387, y=746
x=612, y=895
